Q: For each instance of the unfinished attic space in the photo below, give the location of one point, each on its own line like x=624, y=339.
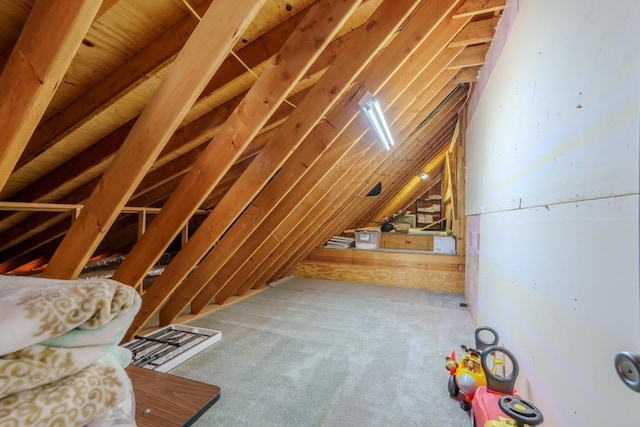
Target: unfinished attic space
x=294, y=213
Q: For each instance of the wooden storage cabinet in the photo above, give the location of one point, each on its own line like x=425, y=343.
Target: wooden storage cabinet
x=419, y=242
x=406, y=241
x=392, y=241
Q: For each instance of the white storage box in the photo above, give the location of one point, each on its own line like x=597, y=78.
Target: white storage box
x=444, y=244
x=367, y=239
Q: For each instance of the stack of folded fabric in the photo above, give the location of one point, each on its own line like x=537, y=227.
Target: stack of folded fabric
x=60, y=363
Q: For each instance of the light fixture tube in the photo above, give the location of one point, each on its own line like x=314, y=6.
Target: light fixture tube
x=374, y=114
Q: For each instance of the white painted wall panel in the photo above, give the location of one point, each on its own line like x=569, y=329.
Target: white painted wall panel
x=552, y=173
x=561, y=287
x=563, y=108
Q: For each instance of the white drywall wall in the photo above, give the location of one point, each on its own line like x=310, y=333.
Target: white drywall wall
x=552, y=172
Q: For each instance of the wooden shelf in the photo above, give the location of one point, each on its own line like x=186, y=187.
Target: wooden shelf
x=426, y=208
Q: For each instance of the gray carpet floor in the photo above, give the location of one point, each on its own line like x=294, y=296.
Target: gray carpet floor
x=320, y=353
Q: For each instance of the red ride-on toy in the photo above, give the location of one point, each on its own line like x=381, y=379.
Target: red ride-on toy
x=467, y=375
x=497, y=404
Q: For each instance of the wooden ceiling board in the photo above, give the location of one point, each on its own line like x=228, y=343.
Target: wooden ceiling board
x=34, y=69
x=125, y=30
x=85, y=136
x=13, y=14
x=272, y=13
x=122, y=79
x=140, y=101
x=57, y=157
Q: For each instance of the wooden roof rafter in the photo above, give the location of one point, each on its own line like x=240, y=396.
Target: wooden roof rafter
x=226, y=249
x=328, y=173
x=49, y=40
x=192, y=69
x=271, y=215
x=326, y=92
x=203, y=127
x=330, y=217
x=313, y=34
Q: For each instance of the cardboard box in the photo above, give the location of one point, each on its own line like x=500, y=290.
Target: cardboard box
x=367, y=239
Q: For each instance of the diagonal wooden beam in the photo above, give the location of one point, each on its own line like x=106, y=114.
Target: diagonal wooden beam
x=296, y=248
x=128, y=76
x=296, y=56
x=476, y=32
x=198, y=130
x=183, y=164
x=117, y=84
x=225, y=21
x=471, y=56
x=298, y=211
x=298, y=228
x=300, y=172
x=277, y=229
x=48, y=42
x=369, y=39
x=300, y=250
x=476, y=7
x=104, y=8
x=350, y=195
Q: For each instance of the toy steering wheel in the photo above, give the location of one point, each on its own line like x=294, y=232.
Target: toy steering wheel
x=520, y=410
x=485, y=337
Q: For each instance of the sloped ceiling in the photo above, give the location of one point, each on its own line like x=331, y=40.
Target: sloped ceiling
x=225, y=132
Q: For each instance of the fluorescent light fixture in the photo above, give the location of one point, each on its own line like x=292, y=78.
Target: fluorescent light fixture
x=372, y=110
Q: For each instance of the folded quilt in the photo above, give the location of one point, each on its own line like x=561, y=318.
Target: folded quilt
x=34, y=310
x=59, y=359
x=74, y=400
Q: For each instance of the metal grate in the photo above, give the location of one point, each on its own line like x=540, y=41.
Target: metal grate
x=168, y=347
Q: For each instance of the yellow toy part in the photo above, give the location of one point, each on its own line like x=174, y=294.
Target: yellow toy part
x=469, y=375
x=471, y=365
x=502, y=422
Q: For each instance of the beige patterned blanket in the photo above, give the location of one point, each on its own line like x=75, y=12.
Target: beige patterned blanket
x=60, y=364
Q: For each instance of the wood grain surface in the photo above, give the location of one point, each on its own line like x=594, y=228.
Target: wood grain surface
x=168, y=400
